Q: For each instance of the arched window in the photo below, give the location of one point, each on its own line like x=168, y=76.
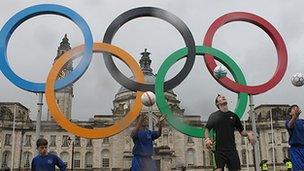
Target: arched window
x=27, y=158
x=89, y=160
x=65, y=158
x=190, y=157
x=105, y=158
x=77, y=159
x=6, y=159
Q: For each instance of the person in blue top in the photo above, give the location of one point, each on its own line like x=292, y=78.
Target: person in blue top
x=295, y=127
x=45, y=161
x=143, y=144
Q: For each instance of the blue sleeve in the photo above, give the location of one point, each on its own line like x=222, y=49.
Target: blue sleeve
x=33, y=165
x=286, y=125
x=155, y=135
x=60, y=164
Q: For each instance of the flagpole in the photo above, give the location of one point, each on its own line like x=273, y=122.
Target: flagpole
x=13, y=145
x=272, y=142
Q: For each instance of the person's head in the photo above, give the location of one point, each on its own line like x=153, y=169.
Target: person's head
x=220, y=100
x=293, y=109
x=42, y=146
x=145, y=122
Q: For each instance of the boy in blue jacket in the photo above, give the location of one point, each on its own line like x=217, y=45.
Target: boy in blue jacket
x=45, y=161
x=143, y=145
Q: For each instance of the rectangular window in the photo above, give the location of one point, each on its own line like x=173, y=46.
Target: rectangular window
x=243, y=140
x=244, y=157
x=105, y=162
x=284, y=137
x=65, y=142
x=269, y=137
x=77, y=141
x=53, y=141
x=89, y=165
x=105, y=141
x=7, y=140
x=28, y=140
x=190, y=140
x=89, y=143
x=76, y=163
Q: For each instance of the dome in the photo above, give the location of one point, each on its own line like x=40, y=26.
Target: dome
x=149, y=77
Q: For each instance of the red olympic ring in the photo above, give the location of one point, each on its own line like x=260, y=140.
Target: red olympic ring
x=273, y=34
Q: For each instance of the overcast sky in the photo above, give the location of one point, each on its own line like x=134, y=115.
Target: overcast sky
x=34, y=44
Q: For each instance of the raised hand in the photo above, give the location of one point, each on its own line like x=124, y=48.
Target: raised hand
x=251, y=138
x=208, y=143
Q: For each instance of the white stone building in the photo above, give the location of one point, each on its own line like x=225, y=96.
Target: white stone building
x=173, y=150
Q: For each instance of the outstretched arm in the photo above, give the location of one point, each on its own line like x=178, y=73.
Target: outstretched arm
x=157, y=134
x=160, y=124
x=208, y=141
x=60, y=164
x=249, y=135
x=292, y=121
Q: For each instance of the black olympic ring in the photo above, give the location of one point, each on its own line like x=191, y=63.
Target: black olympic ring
x=161, y=14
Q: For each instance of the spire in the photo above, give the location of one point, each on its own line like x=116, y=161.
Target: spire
x=64, y=46
x=145, y=62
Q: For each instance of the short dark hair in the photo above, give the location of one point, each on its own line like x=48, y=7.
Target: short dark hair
x=41, y=142
x=292, y=106
x=217, y=101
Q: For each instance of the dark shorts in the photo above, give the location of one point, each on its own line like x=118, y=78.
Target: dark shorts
x=229, y=158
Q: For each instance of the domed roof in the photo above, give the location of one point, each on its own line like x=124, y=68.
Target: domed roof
x=149, y=77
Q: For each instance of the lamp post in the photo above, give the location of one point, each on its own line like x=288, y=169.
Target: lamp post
x=72, y=163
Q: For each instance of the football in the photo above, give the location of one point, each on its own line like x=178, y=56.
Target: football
x=219, y=71
x=148, y=98
x=297, y=79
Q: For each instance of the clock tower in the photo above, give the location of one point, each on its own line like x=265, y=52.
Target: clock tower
x=64, y=96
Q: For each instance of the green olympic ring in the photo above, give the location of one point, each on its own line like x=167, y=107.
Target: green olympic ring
x=162, y=104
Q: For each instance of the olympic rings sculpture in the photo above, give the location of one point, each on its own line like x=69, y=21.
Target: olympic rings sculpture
x=189, y=52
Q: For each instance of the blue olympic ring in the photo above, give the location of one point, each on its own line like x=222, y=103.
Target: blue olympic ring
x=11, y=25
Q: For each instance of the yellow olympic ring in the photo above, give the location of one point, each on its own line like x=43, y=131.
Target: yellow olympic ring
x=96, y=132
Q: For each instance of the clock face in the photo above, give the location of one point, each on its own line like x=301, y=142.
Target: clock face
x=62, y=73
